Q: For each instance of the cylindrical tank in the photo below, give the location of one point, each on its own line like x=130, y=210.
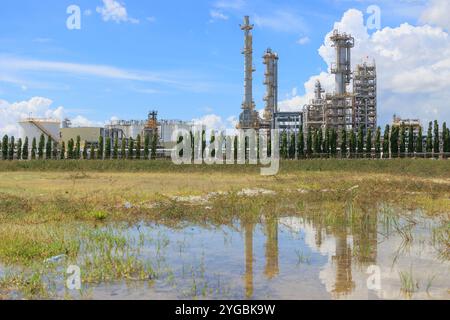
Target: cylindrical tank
x=33, y=128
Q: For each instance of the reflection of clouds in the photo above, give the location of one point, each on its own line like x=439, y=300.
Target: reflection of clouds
x=419, y=256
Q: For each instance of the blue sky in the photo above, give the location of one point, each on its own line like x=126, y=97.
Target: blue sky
x=181, y=58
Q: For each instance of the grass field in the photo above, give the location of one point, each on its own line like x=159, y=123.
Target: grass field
x=45, y=204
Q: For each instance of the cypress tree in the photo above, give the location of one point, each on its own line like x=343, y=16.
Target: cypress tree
x=85, y=151
x=138, y=147
x=309, y=142
x=352, y=143
x=5, y=146
x=131, y=149
x=369, y=143
x=320, y=141
x=19, y=149
x=11, y=148
x=101, y=148
x=448, y=140
x=419, y=142
x=154, y=146
x=394, y=141
x=429, y=142
x=123, y=149
x=48, y=149
x=33, y=149
x=92, y=152
x=292, y=146
x=62, y=156
x=300, y=144
x=147, y=146
x=360, y=142
x=25, y=149
x=386, y=139
x=284, y=145
x=317, y=142
x=444, y=137
x=378, y=142
x=108, y=148
x=70, y=153
x=55, y=150
x=411, y=140
x=326, y=142
x=41, y=147
x=78, y=148
x=344, y=143
x=5, y=143
x=333, y=142
x=402, y=140
x=436, y=143
x=116, y=149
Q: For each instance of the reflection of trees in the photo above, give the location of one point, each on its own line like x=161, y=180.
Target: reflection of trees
x=344, y=283
x=271, y=270
x=248, y=229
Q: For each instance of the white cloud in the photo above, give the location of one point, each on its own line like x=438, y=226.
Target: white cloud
x=413, y=68
x=38, y=107
x=11, y=66
x=437, y=13
x=12, y=113
x=303, y=40
x=88, y=12
x=215, y=122
x=217, y=15
x=115, y=11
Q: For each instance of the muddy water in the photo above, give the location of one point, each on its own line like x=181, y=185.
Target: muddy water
x=293, y=258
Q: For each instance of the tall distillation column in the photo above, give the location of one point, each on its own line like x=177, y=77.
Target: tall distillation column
x=249, y=118
x=342, y=67
x=271, y=83
x=338, y=107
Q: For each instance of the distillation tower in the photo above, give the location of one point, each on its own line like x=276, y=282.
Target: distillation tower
x=271, y=83
x=249, y=118
x=338, y=108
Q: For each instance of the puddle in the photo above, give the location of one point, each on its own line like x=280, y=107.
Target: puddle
x=312, y=256
x=291, y=258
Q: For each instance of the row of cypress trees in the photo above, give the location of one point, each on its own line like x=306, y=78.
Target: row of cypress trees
x=49, y=149
x=397, y=141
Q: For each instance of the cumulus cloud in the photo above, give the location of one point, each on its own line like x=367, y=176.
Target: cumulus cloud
x=303, y=40
x=437, y=13
x=37, y=107
x=215, y=122
x=413, y=68
x=115, y=11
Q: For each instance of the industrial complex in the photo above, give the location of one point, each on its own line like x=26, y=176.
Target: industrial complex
x=341, y=109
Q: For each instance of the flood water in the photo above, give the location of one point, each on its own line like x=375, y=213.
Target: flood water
x=293, y=258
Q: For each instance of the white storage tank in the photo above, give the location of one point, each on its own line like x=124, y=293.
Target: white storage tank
x=34, y=127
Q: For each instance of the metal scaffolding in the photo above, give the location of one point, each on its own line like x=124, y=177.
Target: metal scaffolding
x=314, y=112
x=365, y=95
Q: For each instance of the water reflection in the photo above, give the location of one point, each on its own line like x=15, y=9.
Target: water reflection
x=317, y=255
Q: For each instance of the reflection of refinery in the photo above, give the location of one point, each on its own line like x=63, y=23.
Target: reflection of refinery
x=338, y=110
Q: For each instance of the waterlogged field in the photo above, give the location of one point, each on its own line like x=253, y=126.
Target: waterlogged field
x=321, y=229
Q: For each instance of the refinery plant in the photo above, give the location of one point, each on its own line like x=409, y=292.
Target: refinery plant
x=338, y=110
